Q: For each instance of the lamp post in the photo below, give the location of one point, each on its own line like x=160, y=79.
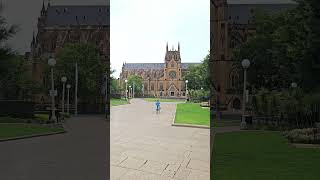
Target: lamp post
x=68, y=98
x=126, y=81
x=52, y=63
x=133, y=89
x=63, y=80
x=130, y=91
x=186, y=88
x=294, y=85
x=76, y=91
x=245, y=64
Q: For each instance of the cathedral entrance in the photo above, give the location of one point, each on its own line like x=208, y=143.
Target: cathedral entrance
x=236, y=104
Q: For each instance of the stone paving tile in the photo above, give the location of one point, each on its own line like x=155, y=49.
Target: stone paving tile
x=116, y=172
x=132, y=163
x=171, y=170
x=154, y=167
x=141, y=175
x=152, y=146
x=199, y=165
x=182, y=174
x=198, y=175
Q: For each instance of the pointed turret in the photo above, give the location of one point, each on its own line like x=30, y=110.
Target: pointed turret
x=43, y=10
x=179, y=46
x=167, y=47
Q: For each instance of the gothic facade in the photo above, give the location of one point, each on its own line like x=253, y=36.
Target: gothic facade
x=231, y=24
x=58, y=25
x=160, y=79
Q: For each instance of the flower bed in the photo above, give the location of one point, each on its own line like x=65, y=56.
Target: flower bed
x=305, y=136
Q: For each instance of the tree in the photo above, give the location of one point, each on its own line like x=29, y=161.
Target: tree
x=198, y=75
x=136, y=82
x=15, y=82
x=91, y=69
x=284, y=48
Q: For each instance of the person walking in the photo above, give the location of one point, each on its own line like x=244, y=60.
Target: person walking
x=158, y=106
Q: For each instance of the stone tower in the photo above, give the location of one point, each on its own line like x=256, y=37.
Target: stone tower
x=220, y=61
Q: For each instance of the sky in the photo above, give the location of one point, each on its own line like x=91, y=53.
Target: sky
x=140, y=30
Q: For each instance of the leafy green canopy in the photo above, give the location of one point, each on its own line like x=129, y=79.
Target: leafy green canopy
x=15, y=81
x=198, y=75
x=91, y=69
x=136, y=81
x=285, y=48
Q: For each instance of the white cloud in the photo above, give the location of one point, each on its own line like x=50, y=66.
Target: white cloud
x=141, y=28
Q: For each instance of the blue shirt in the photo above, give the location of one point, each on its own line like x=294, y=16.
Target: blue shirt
x=158, y=104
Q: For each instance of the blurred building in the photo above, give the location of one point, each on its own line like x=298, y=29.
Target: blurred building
x=160, y=79
x=232, y=23
x=58, y=25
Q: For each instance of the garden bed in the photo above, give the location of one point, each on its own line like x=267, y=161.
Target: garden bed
x=303, y=136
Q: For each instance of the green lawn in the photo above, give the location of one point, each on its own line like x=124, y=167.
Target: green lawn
x=163, y=100
x=192, y=113
x=117, y=102
x=15, y=130
x=263, y=156
x=225, y=123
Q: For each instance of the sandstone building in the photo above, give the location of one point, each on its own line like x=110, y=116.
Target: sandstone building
x=160, y=79
x=58, y=25
x=231, y=24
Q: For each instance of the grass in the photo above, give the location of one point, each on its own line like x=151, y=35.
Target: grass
x=117, y=102
x=262, y=155
x=16, y=130
x=192, y=113
x=42, y=117
x=225, y=123
x=163, y=100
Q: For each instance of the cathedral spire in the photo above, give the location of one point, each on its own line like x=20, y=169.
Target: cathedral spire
x=33, y=40
x=43, y=10
x=167, y=47
x=179, y=46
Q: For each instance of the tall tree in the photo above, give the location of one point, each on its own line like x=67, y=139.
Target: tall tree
x=91, y=69
x=198, y=75
x=136, y=82
x=284, y=48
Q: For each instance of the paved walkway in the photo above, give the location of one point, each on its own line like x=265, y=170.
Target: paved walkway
x=144, y=145
x=79, y=154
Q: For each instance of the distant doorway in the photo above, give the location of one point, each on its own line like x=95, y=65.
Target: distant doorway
x=172, y=93
x=236, y=104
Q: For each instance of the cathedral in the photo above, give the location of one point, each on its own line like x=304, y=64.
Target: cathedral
x=232, y=23
x=163, y=80
x=61, y=24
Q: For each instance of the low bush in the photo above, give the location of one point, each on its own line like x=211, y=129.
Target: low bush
x=65, y=115
x=306, y=136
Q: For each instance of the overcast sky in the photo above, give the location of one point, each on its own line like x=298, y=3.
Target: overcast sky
x=140, y=30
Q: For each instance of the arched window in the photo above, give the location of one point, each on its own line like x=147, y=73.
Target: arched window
x=146, y=86
x=234, y=80
x=161, y=86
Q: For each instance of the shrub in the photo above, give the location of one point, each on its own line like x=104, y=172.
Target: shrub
x=308, y=135
x=14, y=108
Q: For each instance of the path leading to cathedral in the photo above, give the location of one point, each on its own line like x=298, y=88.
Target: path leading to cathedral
x=144, y=145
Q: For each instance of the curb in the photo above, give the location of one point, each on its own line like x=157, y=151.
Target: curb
x=190, y=125
x=186, y=125
x=31, y=136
